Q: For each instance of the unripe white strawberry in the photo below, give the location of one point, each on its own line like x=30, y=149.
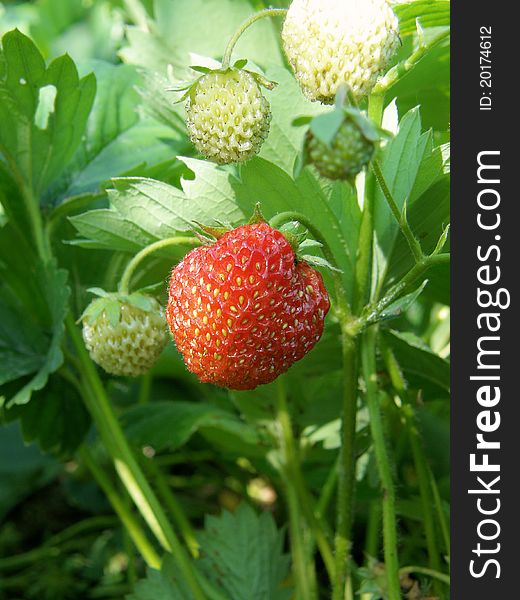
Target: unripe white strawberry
x=227, y=116
x=125, y=336
x=333, y=42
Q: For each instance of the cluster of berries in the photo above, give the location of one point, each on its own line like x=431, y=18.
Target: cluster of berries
x=244, y=308
x=329, y=44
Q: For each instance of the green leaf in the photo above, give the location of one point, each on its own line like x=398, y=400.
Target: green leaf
x=419, y=363
x=397, y=308
x=411, y=166
x=33, y=304
x=430, y=13
x=425, y=82
x=173, y=39
x=278, y=192
x=118, y=139
x=23, y=469
x=55, y=417
x=166, y=584
x=169, y=425
x=39, y=154
x=427, y=217
x=144, y=210
x=242, y=554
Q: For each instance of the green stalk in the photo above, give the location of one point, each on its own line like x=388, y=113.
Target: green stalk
x=268, y=12
x=172, y=504
x=401, y=69
x=372, y=311
x=124, y=284
x=346, y=475
x=313, y=518
x=414, y=245
x=51, y=547
x=347, y=466
x=126, y=464
x=445, y=530
x=368, y=359
x=420, y=462
x=372, y=530
x=327, y=491
x=290, y=458
x=366, y=232
x=131, y=524
x=145, y=388
x=423, y=571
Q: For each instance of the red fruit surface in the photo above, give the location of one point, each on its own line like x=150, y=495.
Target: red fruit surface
x=243, y=310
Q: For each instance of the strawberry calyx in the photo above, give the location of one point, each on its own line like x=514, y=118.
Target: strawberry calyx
x=110, y=304
x=189, y=87
x=293, y=231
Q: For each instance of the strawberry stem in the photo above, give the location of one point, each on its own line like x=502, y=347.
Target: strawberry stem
x=289, y=471
x=368, y=359
x=268, y=12
x=400, y=217
x=401, y=69
x=124, y=284
x=126, y=465
x=131, y=524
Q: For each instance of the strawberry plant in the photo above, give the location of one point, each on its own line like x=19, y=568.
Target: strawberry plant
x=254, y=405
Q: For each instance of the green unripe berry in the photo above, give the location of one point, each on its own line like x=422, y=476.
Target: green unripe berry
x=227, y=116
x=347, y=154
x=131, y=342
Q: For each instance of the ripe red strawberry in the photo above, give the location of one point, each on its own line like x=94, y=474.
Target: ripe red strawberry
x=243, y=309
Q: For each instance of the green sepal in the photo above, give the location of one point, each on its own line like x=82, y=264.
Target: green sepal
x=189, y=86
x=262, y=81
x=214, y=232
x=110, y=304
x=295, y=234
x=301, y=121
x=199, y=69
x=325, y=127
x=257, y=216
x=98, y=292
x=318, y=261
x=240, y=63
x=370, y=131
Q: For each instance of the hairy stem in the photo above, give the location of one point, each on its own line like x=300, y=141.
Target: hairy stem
x=423, y=571
x=126, y=464
x=52, y=547
x=401, y=69
x=372, y=312
x=172, y=504
x=368, y=359
x=362, y=290
x=419, y=458
x=347, y=465
x=415, y=247
x=290, y=458
x=124, y=284
x=268, y=12
x=129, y=521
